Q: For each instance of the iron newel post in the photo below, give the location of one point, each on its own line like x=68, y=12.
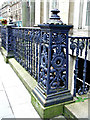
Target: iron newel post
x=9, y=40
x=52, y=85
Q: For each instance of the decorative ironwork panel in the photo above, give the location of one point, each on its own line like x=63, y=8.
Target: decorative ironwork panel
x=26, y=48
x=53, y=62
x=81, y=46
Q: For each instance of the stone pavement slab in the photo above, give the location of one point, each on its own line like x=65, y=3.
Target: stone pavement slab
x=15, y=100
x=5, y=109
x=79, y=109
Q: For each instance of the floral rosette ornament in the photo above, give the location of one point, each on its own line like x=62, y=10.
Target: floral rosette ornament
x=4, y=22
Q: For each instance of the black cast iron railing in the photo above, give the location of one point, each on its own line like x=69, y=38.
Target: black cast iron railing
x=44, y=53
x=80, y=47
x=26, y=48
x=25, y=44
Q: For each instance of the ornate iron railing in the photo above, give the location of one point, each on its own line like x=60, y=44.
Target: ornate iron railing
x=79, y=47
x=53, y=61
x=26, y=48
x=31, y=51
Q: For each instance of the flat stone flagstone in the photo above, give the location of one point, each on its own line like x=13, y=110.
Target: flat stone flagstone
x=78, y=109
x=15, y=100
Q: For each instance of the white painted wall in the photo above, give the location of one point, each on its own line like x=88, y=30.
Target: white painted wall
x=45, y=11
x=37, y=12
x=71, y=73
x=76, y=14
x=84, y=15
x=64, y=9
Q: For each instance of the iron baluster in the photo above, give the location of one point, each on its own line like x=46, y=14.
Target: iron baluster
x=84, y=89
x=81, y=45
x=26, y=38
x=29, y=50
x=37, y=43
x=85, y=65
x=49, y=62
x=27, y=42
x=21, y=37
x=17, y=45
x=15, y=34
x=25, y=48
x=76, y=67
x=19, y=34
x=67, y=60
x=14, y=43
x=39, y=58
x=33, y=55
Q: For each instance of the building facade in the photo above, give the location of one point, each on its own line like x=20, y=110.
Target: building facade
x=5, y=10
x=75, y=12
x=16, y=10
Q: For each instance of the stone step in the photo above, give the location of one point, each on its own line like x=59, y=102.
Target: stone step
x=77, y=110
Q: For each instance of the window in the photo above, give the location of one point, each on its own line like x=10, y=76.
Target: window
x=54, y=4
x=88, y=14
x=80, y=14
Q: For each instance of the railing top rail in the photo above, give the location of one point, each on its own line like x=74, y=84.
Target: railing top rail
x=38, y=28
x=73, y=37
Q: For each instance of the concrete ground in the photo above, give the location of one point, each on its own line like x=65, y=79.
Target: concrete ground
x=15, y=101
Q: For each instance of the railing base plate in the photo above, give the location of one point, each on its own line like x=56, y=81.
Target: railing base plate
x=50, y=111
